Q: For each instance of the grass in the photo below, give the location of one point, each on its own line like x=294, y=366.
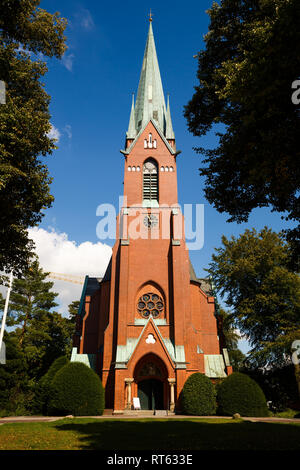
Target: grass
x=289, y=413
x=150, y=434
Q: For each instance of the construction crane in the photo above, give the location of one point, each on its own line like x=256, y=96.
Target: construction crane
x=58, y=276
x=67, y=277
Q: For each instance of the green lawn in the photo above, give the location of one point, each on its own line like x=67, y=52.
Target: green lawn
x=150, y=434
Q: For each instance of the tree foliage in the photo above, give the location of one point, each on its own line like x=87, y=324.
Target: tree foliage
x=36, y=337
x=198, y=396
x=76, y=390
x=279, y=386
x=42, y=333
x=36, y=29
x=229, y=334
x=14, y=380
x=238, y=393
x=251, y=273
x=246, y=71
x=73, y=311
x=237, y=359
x=43, y=389
x=25, y=31
x=229, y=337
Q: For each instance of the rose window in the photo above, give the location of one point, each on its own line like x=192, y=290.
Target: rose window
x=150, y=304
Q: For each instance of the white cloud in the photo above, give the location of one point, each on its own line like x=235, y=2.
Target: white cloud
x=54, y=133
x=67, y=60
x=68, y=130
x=85, y=19
x=60, y=255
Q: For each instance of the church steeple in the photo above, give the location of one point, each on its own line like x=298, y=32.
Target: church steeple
x=169, y=128
x=131, y=133
x=150, y=102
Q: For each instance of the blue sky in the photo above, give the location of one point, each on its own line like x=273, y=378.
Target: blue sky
x=91, y=98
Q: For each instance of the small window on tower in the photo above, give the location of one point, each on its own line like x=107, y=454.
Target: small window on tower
x=150, y=183
x=155, y=115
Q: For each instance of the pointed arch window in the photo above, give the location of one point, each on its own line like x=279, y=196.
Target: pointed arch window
x=150, y=143
x=150, y=183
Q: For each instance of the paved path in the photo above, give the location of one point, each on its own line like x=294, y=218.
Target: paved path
x=30, y=419
x=273, y=420
x=47, y=419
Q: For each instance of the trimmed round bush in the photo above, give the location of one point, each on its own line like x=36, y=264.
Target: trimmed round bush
x=238, y=393
x=76, y=390
x=54, y=368
x=43, y=388
x=198, y=396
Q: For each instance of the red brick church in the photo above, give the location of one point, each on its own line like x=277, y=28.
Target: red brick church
x=149, y=323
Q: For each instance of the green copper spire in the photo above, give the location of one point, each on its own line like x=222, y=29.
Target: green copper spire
x=150, y=102
x=131, y=133
x=169, y=128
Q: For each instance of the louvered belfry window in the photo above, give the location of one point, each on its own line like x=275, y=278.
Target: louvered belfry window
x=150, y=181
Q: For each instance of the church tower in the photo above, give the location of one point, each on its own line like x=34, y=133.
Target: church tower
x=150, y=322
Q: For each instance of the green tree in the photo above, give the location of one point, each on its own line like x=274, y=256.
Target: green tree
x=73, y=310
x=229, y=334
x=251, y=273
x=14, y=379
x=246, y=71
x=43, y=334
x=25, y=31
x=198, y=396
x=43, y=390
x=76, y=390
x=279, y=386
x=238, y=393
x=237, y=359
x=229, y=338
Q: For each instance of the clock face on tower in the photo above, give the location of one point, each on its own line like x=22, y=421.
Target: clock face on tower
x=150, y=221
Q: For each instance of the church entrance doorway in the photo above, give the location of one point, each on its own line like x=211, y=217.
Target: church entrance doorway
x=151, y=377
x=151, y=394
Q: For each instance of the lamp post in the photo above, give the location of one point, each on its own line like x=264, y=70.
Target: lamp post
x=5, y=311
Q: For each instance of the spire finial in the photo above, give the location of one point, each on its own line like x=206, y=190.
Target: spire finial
x=150, y=16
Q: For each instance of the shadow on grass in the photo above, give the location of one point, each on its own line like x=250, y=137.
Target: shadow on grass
x=182, y=435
